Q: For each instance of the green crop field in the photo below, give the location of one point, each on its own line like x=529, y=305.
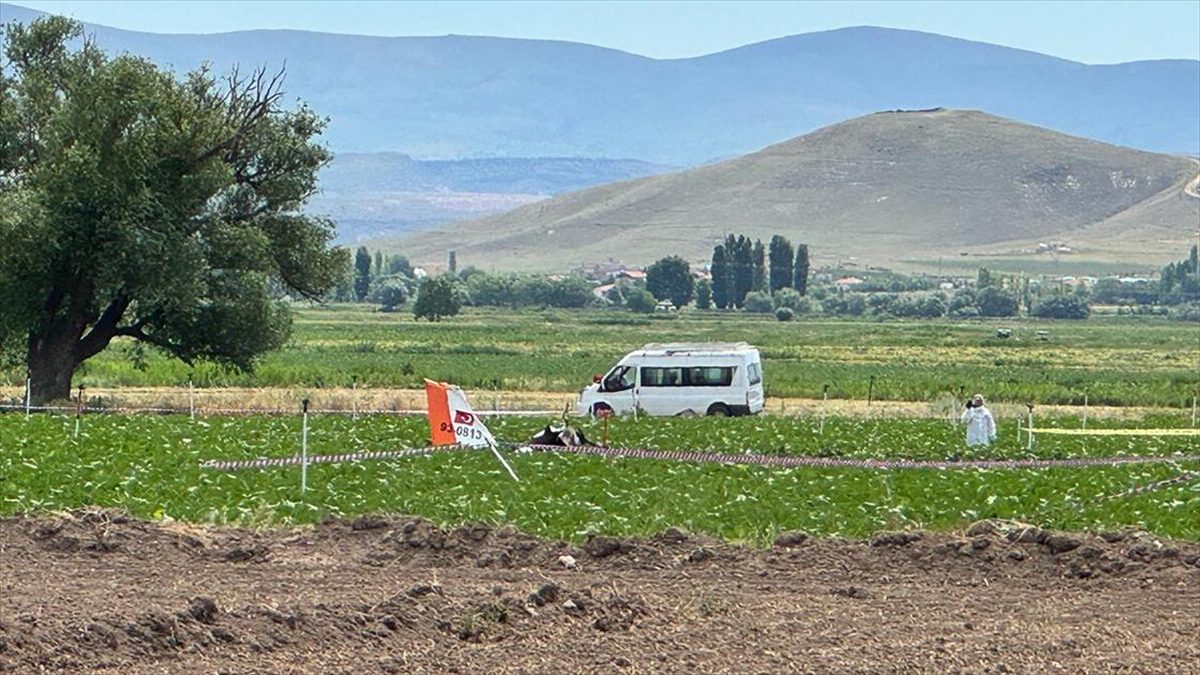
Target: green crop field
x=1113, y=361
x=149, y=465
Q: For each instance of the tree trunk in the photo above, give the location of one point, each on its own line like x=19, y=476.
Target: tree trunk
x=51, y=363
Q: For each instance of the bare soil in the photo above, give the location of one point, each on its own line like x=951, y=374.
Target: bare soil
x=97, y=591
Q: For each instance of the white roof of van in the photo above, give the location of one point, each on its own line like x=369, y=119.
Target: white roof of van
x=668, y=348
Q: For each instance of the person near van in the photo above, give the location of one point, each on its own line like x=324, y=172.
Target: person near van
x=981, y=426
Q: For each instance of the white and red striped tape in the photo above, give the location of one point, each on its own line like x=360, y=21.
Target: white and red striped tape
x=879, y=464
x=411, y=412
x=725, y=458
x=296, y=460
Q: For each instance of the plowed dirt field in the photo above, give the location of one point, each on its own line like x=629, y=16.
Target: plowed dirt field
x=97, y=591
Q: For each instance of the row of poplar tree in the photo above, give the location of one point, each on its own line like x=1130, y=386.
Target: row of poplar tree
x=740, y=266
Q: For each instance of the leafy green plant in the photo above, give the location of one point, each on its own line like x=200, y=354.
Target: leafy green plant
x=150, y=466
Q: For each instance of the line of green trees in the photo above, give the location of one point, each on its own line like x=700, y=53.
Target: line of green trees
x=373, y=276
x=741, y=267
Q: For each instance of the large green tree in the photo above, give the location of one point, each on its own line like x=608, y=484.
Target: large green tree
x=740, y=251
x=670, y=278
x=362, y=273
x=722, y=278
x=781, y=255
x=800, y=271
x=137, y=204
x=438, y=297
x=760, y=282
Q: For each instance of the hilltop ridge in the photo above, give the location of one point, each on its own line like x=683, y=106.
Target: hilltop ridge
x=882, y=188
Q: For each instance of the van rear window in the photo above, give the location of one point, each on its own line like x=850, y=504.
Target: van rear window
x=704, y=376
x=755, y=372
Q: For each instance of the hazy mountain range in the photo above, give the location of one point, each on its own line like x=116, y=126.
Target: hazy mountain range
x=456, y=97
x=432, y=129
x=380, y=194
x=880, y=189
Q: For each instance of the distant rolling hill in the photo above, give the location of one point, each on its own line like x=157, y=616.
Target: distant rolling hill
x=386, y=193
x=880, y=189
x=455, y=97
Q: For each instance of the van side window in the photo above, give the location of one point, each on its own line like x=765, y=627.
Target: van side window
x=662, y=377
x=703, y=376
x=754, y=372
x=708, y=376
x=620, y=379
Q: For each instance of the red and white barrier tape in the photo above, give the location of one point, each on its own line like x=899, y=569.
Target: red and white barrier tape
x=296, y=460
x=720, y=458
x=842, y=462
x=1185, y=477
x=414, y=412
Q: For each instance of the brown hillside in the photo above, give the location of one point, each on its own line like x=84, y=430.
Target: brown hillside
x=880, y=189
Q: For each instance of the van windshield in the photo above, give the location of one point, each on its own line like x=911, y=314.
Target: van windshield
x=755, y=372
x=620, y=379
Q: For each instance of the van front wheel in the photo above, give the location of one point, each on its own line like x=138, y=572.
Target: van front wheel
x=718, y=410
x=602, y=410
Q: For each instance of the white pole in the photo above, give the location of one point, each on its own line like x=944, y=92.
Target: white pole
x=824, y=405
x=78, y=410
x=1085, y=410
x=354, y=399
x=304, y=450
x=29, y=395
x=191, y=401
x=1029, y=429
x=500, y=457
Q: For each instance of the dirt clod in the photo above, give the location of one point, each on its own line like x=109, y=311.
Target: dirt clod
x=203, y=610
x=982, y=528
x=896, y=538
x=856, y=592
x=544, y=595
x=1061, y=543
x=599, y=546
x=369, y=523
x=789, y=539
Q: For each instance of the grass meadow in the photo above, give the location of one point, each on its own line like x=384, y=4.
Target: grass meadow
x=149, y=465
x=1114, y=361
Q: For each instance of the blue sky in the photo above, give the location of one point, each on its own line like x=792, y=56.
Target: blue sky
x=1090, y=32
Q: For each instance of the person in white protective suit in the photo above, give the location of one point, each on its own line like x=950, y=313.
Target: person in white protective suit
x=981, y=426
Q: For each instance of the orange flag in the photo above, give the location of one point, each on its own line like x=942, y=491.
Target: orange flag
x=441, y=427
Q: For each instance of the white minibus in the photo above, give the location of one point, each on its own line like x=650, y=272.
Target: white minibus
x=680, y=379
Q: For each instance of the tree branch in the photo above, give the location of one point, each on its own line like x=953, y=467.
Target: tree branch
x=104, y=330
x=137, y=332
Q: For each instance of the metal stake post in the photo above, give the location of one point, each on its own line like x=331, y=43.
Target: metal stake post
x=824, y=405
x=191, y=401
x=354, y=398
x=870, y=390
x=78, y=410
x=1029, y=428
x=1085, y=410
x=304, y=448
x=29, y=395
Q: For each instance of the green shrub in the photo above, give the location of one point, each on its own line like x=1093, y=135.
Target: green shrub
x=640, y=300
x=758, y=302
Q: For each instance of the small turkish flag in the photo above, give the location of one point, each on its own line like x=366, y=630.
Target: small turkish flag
x=461, y=417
